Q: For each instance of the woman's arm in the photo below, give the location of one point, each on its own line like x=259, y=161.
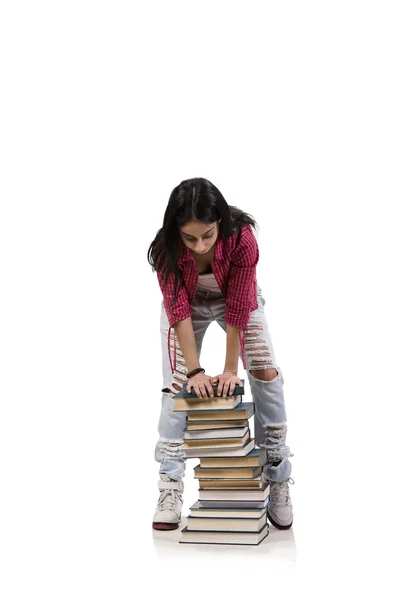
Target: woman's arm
x=232, y=348
x=242, y=279
x=229, y=378
x=187, y=342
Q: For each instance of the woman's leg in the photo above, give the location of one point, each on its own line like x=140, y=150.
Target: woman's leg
x=169, y=447
x=266, y=384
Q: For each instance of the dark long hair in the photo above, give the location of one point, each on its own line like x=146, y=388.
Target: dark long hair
x=196, y=199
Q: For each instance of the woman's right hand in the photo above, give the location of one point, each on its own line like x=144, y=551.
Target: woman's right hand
x=201, y=383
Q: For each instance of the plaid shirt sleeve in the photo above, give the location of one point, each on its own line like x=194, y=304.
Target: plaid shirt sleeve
x=242, y=273
x=182, y=308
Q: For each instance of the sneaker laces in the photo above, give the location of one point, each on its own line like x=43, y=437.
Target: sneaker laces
x=279, y=492
x=168, y=499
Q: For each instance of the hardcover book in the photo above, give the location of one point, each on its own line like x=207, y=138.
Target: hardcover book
x=255, y=458
x=244, y=410
x=225, y=524
x=260, y=495
x=238, y=391
x=216, y=442
x=233, y=504
x=224, y=537
x=209, y=404
x=226, y=473
x=215, y=433
x=232, y=484
x=194, y=426
x=200, y=452
x=199, y=510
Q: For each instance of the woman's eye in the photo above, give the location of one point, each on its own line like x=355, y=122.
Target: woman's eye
x=205, y=237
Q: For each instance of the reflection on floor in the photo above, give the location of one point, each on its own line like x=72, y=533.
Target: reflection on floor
x=279, y=545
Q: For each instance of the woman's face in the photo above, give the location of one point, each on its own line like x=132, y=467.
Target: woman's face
x=200, y=237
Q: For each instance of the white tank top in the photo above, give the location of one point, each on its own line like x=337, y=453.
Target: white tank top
x=207, y=281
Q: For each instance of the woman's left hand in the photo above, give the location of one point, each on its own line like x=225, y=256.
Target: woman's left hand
x=227, y=382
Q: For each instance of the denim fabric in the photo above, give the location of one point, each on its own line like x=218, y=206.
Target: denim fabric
x=268, y=397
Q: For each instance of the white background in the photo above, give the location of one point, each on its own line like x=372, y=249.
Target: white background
x=292, y=110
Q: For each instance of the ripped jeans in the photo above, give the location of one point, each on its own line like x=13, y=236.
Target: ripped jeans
x=269, y=405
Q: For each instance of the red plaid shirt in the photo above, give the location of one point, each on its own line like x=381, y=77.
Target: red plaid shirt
x=234, y=266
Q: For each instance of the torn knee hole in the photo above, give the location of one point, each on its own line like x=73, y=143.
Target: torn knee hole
x=176, y=387
x=264, y=374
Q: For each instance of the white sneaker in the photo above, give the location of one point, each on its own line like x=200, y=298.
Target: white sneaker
x=279, y=508
x=169, y=507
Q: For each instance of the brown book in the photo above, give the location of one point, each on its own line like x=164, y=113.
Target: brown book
x=217, y=442
x=208, y=404
x=239, y=451
x=229, y=473
x=231, y=496
x=232, y=484
x=217, y=425
x=256, y=457
x=225, y=524
x=244, y=410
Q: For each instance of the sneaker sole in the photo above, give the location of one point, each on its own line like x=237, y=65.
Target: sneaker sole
x=275, y=524
x=165, y=526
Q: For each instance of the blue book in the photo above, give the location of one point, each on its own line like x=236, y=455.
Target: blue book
x=238, y=391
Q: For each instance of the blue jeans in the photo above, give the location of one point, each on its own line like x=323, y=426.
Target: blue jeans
x=269, y=404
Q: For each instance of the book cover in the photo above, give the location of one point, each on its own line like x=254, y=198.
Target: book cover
x=238, y=391
x=255, y=458
x=256, y=494
x=233, y=504
x=211, y=404
x=244, y=410
x=225, y=523
x=226, y=472
x=232, y=442
x=224, y=537
x=215, y=433
x=200, y=452
x=198, y=510
x=193, y=426
x=232, y=484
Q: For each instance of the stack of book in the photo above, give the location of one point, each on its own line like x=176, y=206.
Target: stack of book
x=233, y=492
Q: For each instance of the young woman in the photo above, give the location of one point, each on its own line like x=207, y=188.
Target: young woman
x=205, y=256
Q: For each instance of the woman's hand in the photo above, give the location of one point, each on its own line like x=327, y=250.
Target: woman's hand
x=200, y=383
x=227, y=382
